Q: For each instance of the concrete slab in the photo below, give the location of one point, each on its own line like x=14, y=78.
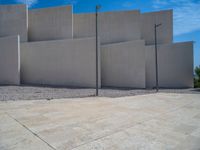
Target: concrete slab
x=123, y=64
x=155, y=121
x=10, y=60
x=175, y=65
x=60, y=63
x=12, y=132
x=164, y=32
x=52, y=23
x=13, y=21
x=114, y=27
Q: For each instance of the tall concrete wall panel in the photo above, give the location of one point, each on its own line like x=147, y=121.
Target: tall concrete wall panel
x=13, y=21
x=164, y=32
x=9, y=61
x=50, y=23
x=60, y=63
x=113, y=26
x=175, y=65
x=84, y=25
x=123, y=64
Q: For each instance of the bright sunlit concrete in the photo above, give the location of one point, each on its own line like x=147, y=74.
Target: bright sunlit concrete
x=154, y=121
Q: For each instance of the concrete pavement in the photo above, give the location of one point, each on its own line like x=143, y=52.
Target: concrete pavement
x=154, y=121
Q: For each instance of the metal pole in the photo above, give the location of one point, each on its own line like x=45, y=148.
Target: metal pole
x=97, y=56
x=156, y=55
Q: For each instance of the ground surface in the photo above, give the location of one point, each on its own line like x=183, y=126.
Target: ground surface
x=151, y=122
x=35, y=93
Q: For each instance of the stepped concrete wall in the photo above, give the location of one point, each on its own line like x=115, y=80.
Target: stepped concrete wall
x=114, y=27
x=164, y=32
x=175, y=65
x=123, y=64
x=50, y=23
x=60, y=63
x=58, y=48
x=13, y=21
x=10, y=60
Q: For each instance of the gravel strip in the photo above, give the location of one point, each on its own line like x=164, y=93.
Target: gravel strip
x=36, y=93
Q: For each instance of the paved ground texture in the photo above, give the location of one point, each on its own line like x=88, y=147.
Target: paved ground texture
x=33, y=92
x=161, y=121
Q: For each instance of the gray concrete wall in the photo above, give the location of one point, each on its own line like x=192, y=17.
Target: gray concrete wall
x=50, y=23
x=9, y=61
x=123, y=64
x=13, y=21
x=113, y=26
x=59, y=63
x=164, y=32
x=175, y=65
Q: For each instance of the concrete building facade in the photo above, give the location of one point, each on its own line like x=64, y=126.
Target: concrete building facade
x=53, y=46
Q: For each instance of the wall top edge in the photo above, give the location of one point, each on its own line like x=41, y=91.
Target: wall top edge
x=185, y=42
x=160, y=11
x=71, y=6
x=51, y=41
x=126, y=42
x=176, y=43
x=55, y=7
x=117, y=11
x=13, y=5
x=8, y=37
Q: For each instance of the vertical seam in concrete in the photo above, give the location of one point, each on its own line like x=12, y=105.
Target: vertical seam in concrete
x=19, y=59
x=72, y=11
x=30, y=131
x=27, y=24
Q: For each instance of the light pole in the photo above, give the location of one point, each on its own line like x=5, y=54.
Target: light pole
x=97, y=55
x=156, y=55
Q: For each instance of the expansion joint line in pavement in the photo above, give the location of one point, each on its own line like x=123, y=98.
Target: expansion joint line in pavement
x=128, y=127
x=35, y=134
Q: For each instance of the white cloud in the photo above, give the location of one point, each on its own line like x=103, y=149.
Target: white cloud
x=159, y=3
x=28, y=2
x=186, y=14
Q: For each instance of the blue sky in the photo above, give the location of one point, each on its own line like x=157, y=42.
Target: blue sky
x=186, y=13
